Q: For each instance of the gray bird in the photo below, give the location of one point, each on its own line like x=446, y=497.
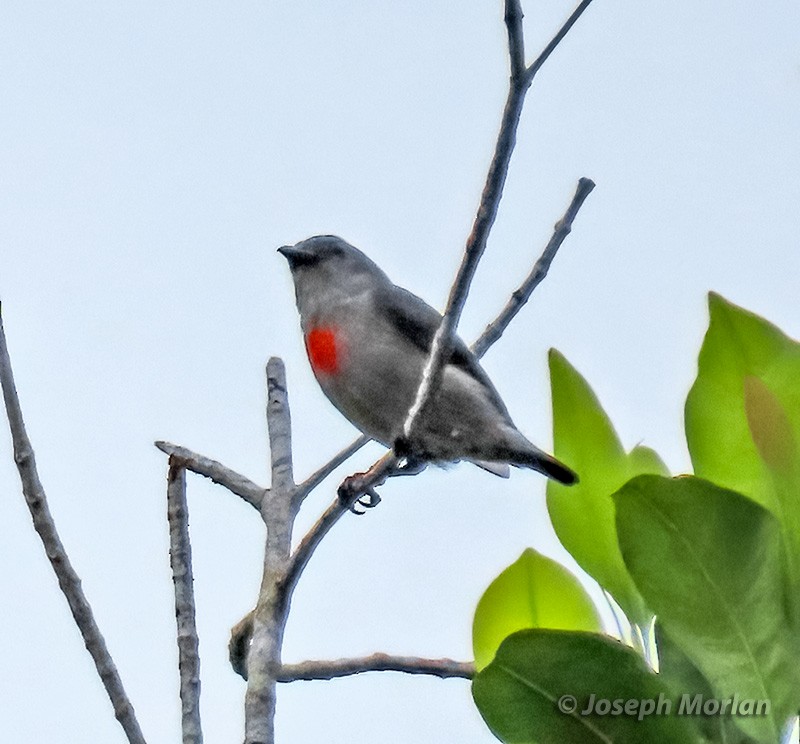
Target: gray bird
x=368, y=341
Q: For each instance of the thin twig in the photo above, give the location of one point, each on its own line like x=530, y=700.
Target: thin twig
x=487, y=211
x=306, y=547
x=313, y=480
x=530, y=73
x=539, y=271
x=251, y=492
x=180, y=558
x=311, y=670
x=476, y=244
x=68, y=580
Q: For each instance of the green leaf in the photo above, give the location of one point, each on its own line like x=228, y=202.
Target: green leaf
x=708, y=561
x=743, y=415
x=684, y=678
x=518, y=694
x=533, y=592
x=676, y=669
x=737, y=345
x=583, y=515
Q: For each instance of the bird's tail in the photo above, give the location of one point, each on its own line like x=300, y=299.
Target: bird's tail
x=535, y=459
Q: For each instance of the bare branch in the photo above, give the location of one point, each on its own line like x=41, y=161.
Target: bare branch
x=313, y=480
x=310, y=670
x=180, y=558
x=269, y=618
x=487, y=211
x=237, y=484
x=376, y=475
x=68, y=580
x=476, y=244
x=522, y=294
x=280, y=427
x=255, y=647
x=516, y=39
x=305, y=549
x=530, y=73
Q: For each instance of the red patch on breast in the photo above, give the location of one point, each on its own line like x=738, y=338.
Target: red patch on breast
x=323, y=351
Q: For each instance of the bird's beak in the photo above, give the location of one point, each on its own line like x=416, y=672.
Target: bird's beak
x=297, y=256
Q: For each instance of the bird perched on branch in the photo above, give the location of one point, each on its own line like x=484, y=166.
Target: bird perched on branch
x=368, y=341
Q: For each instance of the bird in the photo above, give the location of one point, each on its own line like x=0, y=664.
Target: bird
x=368, y=341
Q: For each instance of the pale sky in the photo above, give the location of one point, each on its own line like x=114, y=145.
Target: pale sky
x=153, y=157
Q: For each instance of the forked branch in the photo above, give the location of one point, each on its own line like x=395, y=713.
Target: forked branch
x=257, y=640
x=243, y=487
x=519, y=84
x=522, y=294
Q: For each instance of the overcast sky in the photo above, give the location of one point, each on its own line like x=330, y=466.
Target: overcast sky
x=153, y=156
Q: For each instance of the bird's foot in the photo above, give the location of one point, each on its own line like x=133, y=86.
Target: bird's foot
x=411, y=466
x=402, y=448
x=355, y=491
x=414, y=460
x=359, y=490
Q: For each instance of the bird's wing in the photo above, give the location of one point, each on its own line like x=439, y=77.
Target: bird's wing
x=418, y=322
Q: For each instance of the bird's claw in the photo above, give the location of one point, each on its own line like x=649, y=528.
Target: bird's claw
x=368, y=498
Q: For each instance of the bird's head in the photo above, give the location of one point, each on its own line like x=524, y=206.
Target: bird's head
x=327, y=270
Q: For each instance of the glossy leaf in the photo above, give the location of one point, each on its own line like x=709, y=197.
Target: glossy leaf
x=708, y=561
x=743, y=415
x=583, y=515
x=533, y=592
x=518, y=694
x=684, y=678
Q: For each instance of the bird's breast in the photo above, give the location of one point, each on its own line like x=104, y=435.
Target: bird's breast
x=326, y=349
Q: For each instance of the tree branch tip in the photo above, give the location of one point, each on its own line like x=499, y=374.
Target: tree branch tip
x=531, y=70
x=378, y=662
x=513, y=11
x=177, y=465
